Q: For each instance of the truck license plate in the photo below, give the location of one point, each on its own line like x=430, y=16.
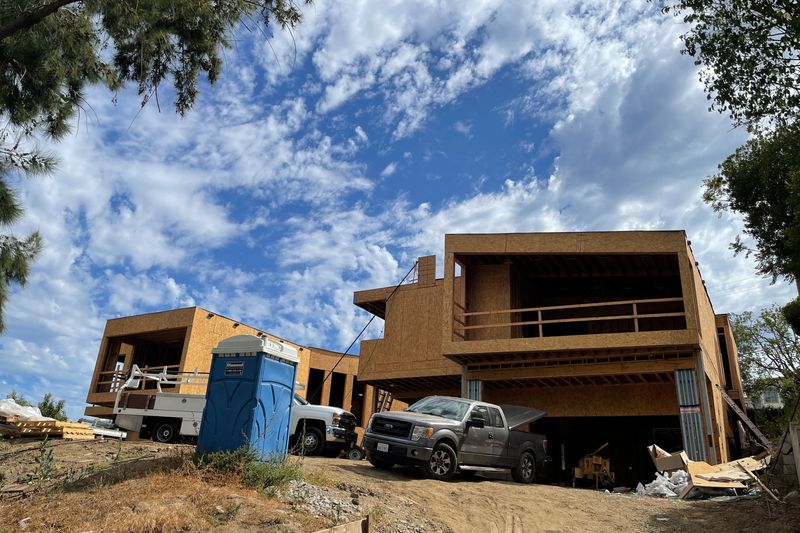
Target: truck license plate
x=383, y=447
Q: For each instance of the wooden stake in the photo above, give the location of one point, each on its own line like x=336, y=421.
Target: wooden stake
x=753, y=476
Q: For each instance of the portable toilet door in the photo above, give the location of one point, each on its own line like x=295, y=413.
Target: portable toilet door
x=249, y=397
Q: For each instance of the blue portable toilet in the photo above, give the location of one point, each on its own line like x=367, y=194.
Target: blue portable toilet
x=249, y=397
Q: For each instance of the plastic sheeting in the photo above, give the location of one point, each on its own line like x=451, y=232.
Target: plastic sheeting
x=668, y=485
x=11, y=409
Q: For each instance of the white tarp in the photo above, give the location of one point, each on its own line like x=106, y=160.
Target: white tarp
x=11, y=409
x=669, y=485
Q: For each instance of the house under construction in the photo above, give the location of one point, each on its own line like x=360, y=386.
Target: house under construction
x=181, y=340
x=612, y=333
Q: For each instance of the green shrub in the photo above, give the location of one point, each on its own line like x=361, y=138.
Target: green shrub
x=235, y=461
x=253, y=472
x=272, y=473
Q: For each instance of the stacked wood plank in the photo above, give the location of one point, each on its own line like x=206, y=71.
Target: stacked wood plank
x=13, y=427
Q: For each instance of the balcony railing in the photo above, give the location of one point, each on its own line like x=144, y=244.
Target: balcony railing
x=658, y=314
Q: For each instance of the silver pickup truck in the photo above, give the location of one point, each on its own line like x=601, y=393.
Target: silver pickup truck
x=444, y=435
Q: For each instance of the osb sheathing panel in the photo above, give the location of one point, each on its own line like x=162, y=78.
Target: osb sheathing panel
x=207, y=330
x=707, y=325
x=488, y=289
x=412, y=337
x=613, y=400
x=372, y=295
x=677, y=338
x=326, y=360
x=176, y=318
x=117, y=327
x=733, y=355
x=554, y=243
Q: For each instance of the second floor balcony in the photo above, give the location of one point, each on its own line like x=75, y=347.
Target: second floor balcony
x=627, y=316
x=511, y=297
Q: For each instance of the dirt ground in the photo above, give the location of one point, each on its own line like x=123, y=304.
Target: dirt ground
x=142, y=486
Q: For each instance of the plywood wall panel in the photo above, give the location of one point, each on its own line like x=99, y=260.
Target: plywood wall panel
x=612, y=400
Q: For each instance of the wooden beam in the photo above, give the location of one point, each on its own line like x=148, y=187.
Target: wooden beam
x=593, y=369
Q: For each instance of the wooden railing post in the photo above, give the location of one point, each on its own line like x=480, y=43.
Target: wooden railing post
x=539, y=318
x=635, y=318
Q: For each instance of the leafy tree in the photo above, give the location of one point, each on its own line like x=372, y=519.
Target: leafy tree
x=52, y=408
x=761, y=180
x=749, y=53
x=14, y=395
x=51, y=50
x=769, y=350
x=769, y=356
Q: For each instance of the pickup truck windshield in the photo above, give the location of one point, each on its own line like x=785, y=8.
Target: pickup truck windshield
x=444, y=407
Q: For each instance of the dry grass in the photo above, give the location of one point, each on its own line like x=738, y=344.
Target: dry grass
x=154, y=503
x=144, y=489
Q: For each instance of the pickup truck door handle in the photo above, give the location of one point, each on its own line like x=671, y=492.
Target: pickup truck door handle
x=491, y=435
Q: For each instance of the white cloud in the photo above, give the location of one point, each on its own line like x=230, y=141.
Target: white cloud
x=463, y=127
x=390, y=169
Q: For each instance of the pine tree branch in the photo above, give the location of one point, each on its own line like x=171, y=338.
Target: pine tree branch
x=29, y=19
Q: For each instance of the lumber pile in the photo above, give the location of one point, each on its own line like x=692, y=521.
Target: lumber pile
x=14, y=427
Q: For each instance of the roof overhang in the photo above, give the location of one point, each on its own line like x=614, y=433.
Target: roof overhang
x=373, y=300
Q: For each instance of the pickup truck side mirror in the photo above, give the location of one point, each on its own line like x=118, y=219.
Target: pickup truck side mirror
x=479, y=423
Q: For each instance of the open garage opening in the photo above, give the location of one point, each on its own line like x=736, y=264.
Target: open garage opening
x=571, y=438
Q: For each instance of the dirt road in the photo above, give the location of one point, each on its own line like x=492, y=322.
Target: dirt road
x=502, y=506
x=143, y=486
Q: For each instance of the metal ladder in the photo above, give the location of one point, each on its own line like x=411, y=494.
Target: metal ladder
x=384, y=401
x=749, y=423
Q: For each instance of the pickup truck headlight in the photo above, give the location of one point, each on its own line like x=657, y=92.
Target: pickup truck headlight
x=336, y=419
x=421, y=431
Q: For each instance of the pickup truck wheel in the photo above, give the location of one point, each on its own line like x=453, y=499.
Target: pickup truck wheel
x=525, y=470
x=312, y=441
x=165, y=431
x=442, y=464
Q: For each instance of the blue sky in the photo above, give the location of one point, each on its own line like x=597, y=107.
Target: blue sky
x=326, y=161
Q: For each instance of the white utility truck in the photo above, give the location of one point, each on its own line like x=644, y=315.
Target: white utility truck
x=166, y=416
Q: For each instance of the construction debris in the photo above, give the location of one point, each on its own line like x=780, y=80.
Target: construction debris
x=668, y=462
x=698, y=479
x=27, y=421
x=667, y=485
x=11, y=409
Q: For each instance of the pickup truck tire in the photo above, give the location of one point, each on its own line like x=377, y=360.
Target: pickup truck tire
x=525, y=471
x=443, y=463
x=165, y=431
x=311, y=442
x=379, y=463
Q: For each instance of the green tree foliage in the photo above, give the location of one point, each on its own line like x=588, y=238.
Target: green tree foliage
x=18, y=398
x=749, y=53
x=769, y=350
x=52, y=408
x=51, y=51
x=761, y=180
x=769, y=356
